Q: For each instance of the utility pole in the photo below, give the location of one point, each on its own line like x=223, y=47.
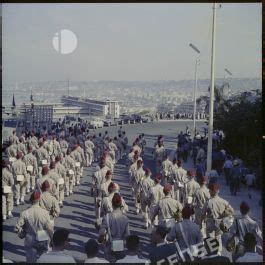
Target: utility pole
x=68, y=95
x=210, y=125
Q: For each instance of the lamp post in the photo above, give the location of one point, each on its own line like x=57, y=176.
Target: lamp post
x=197, y=61
x=210, y=126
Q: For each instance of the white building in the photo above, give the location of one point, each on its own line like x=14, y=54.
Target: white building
x=94, y=107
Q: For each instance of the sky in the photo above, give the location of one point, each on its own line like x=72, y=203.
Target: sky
x=129, y=41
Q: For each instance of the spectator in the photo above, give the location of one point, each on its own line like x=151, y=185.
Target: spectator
x=132, y=243
x=91, y=249
x=227, y=169
x=250, y=253
x=235, y=177
x=60, y=240
x=250, y=180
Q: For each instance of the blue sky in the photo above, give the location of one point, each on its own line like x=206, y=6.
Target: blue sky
x=129, y=41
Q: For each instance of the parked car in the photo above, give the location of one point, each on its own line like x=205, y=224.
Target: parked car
x=109, y=122
x=146, y=119
x=94, y=124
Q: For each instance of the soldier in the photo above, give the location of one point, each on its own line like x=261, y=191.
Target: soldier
x=33, y=142
x=145, y=196
x=61, y=171
x=72, y=141
x=78, y=160
x=52, y=174
x=186, y=233
x=99, y=146
x=159, y=154
x=63, y=145
x=69, y=164
x=56, y=147
x=21, y=146
x=97, y=179
x=32, y=169
x=243, y=225
x=214, y=210
x=180, y=180
x=136, y=147
x=135, y=178
x=166, y=208
x=11, y=152
x=107, y=200
x=46, y=176
x=119, y=147
x=166, y=169
x=115, y=225
x=43, y=157
x=201, y=196
x=125, y=142
x=36, y=226
x=7, y=193
x=89, y=147
x=48, y=202
x=20, y=175
x=13, y=138
x=190, y=186
x=82, y=153
x=112, y=150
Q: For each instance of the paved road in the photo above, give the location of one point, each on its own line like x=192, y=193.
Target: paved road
x=78, y=213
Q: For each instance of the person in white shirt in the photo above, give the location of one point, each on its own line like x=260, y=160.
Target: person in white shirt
x=91, y=249
x=250, y=180
x=58, y=253
x=132, y=244
x=250, y=253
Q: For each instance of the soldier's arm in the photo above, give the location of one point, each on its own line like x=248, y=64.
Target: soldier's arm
x=48, y=225
x=11, y=179
x=56, y=207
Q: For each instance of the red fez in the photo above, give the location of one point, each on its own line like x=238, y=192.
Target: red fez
x=136, y=152
x=167, y=188
x=187, y=212
x=147, y=171
x=139, y=162
x=52, y=164
x=57, y=158
x=45, y=185
x=108, y=173
x=35, y=196
x=244, y=208
x=191, y=173
x=116, y=200
x=202, y=179
x=214, y=186
x=30, y=148
x=157, y=178
x=113, y=186
x=19, y=155
x=179, y=163
x=44, y=170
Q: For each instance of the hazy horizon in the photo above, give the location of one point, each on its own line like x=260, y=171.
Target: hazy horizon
x=129, y=42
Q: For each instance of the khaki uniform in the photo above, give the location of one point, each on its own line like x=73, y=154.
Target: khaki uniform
x=112, y=151
x=31, y=161
x=72, y=141
x=78, y=159
x=165, y=170
x=50, y=204
x=13, y=139
x=213, y=211
x=201, y=196
x=52, y=174
x=97, y=180
x=33, y=142
x=21, y=148
x=119, y=225
x=42, y=154
x=145, y=197
x=11, y=151
x=69, y=164
x=63, y=146
x=61, y=171
x=166, y=209
x=186, y=233
x=138, y=148
x=190, y=188
x=19, y=168
x=33, y=219
x=136, y=176
x=53, y=188
x=89, y=147
x=7, y=198
x=56, y=148
x=180, y=177
x=106, y=206
x=159, y=154
x=99, y=147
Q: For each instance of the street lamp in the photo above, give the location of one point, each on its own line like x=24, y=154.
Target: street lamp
x=195, y=87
